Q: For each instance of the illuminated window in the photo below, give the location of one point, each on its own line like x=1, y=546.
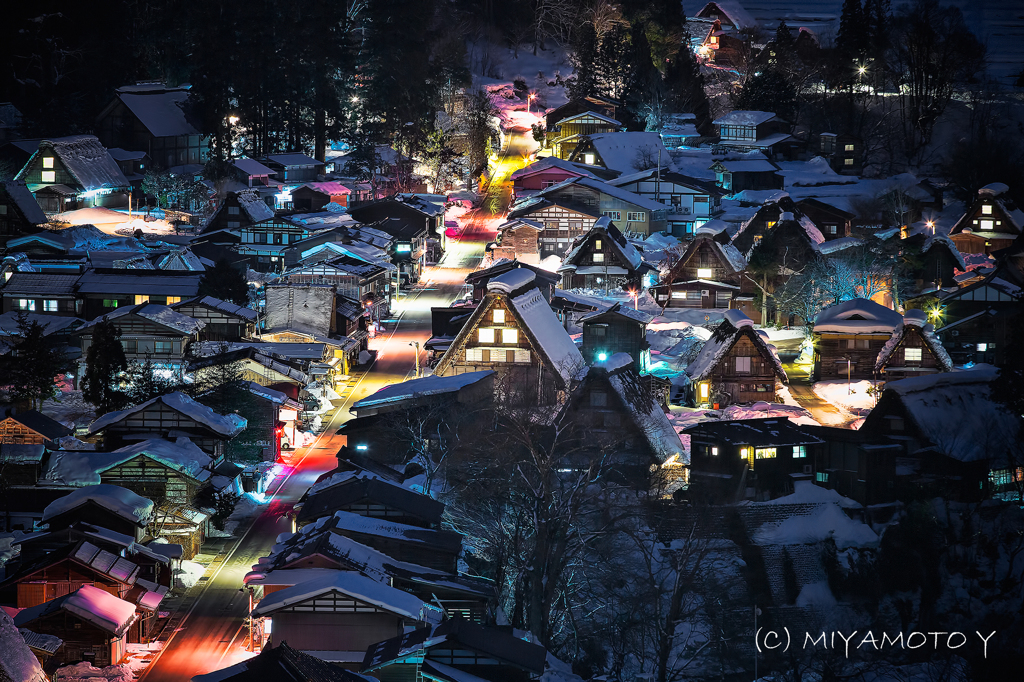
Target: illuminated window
x=987, y=225
x=110, y=303
x=635, y=217
x=703, y=391
x=474, y=355
x=50, y=306
x=171, y=300
x=47, y=162
x=403, y=248
x=743, y=365
x=509, y=335
x=141, y=298
x=764, y=453
x=799, y=451
x=598, y=257
x=485, y=335
x=498, y=316
x=912, y=354
x=770, y=224
x=705, y=273
x=588, y=159
x=714, y=452
x=986, y=209
x=847, y=162
x=597, y=244
x=614, y=215
x=982, y=347
x=849, y=147
x=26, y=304
x=49, y=176
x=821, y=477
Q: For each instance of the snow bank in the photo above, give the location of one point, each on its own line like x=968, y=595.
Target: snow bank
x=853, y=398
x=188, y=573
x=85, y=672
x=807, y=493
x=828, y=521
x=113, y=497
x=816, y=595
x=17, y=663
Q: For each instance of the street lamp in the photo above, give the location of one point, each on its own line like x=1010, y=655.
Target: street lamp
x=417, y=346
x=634, y=294
x=529, y=99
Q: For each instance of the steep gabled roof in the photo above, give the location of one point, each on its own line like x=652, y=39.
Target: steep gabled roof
x=857, y=316
x=153, y=312
x=159, y=109
x=914, y=319
x=733, y=10
x=626, y=251
x=86, y=160
x=50, y=429
x=225, y=425
x=225, y=307
x=282, y=663
x=734, y=325
x=26, y=203
x=342, y=490
x=744, y=118
x=91, y=604
x=620, y=151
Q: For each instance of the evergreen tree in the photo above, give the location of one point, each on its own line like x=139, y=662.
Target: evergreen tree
x=644, y=94
x=851, y=42
x=104, y=366
x=614, y=62
x=33, y=363
x=584, y=54
x=145, y=381
x=684, y=85
x=771, y=91
x=225, y=282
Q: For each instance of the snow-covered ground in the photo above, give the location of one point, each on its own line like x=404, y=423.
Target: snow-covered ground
x=85, y=672
x=188, y=573
x=70, y=409
x=117, y=221
x=853, y=398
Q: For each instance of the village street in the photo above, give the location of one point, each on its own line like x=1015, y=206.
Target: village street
x=212, y=634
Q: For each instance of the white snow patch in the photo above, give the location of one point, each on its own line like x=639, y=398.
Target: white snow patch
x=188, y=573
x=852, y=398
x=828, y=521
x=816, y=594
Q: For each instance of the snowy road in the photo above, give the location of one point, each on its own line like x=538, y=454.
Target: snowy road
x=212, y=635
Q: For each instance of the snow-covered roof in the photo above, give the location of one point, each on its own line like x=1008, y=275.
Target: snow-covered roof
x=218, y=304
x=183, y=456
x=87, y=160
x=916, y=319
x=621, y=194
x=619, y=151
x=733, y=10
x=252, y=167
x=956, y=411
x=330, y=188
x=89, y=603
x=293, y=159
x=857, y=316
x=18, y=663
x=26, y=203
x=121, y=501
x=160, y=110
x=625, y=249
x=154, y=312
x=354, y=585
x=226, y=425
x=744, y=118
x=416, y=388
x=551, y=162
x=602, y=117
x=513, y=280
x=734, y=324
x=547, y=333
x=249, y=200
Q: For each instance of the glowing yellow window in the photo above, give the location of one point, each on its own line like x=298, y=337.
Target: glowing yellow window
x=705, y=273
x=47, y=162
x=171, y=300
x=764, y=453
x=498, y=316
x=509, y=335
x=485, y=335
x=703, y=391
x=141, y=298
x=987, y=209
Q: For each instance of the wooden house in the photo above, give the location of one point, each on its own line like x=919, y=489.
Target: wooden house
x=913, y=350
x=104, y=505
x=469, y=389
x=518, y=240
x=834, y=223
x=991, y=223
x=709, y=274
x=932, y=259
x=598, y=105
x=456, y=650
x=294, y=168
x=623, y=420
x=150, y=117
x=92, y=623
x=222, y=320
x=745, y=131
x=630, y=212
x=978, y=338
x=314, y=196
x=855, y=465
x=619, y=329
x=545, y=280
x=691, y=202
x=848, y=338
x=572, y=130
x=239, y=210
x=44, y=248
x=562, y=218
x=445, y=325
x=104, y=290
x=262, y=367
x=622, y=153
x=149, y=332
x=736, y=365
x=792, y=241
x=729, y=13
x=737, y=172
x=19, y=212
x=354, y=278
x=270, y=418
x=340, y=614
x=31, y=428
x=428, y=547
x=603, y=259
x=134, y=165
x=168, y=473
x=957, y=441
x=278, y=664
x=844, y=152
x=169, y=416
x=74, y=172
x=514, y=332
x=368, y=495
x=544, y=173
x=727, y=457
x=723, y=46
x=41, y=293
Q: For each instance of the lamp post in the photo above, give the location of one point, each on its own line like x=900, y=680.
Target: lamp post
x=416, y=344
x=529, y=100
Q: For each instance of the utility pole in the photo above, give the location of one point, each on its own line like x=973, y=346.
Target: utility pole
x=416, y=344
x=657, y=181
